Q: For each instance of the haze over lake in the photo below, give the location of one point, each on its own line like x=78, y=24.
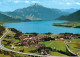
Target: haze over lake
x=42, y=27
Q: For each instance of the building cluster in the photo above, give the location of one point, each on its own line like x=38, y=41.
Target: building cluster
x=28, y=40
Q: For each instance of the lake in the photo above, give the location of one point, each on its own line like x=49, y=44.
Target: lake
x=42, y=27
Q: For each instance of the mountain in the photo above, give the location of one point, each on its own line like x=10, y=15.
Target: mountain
x=72, y=17
x=71, y=10
x=0, y=12
x=36, y=12
x=5, y=18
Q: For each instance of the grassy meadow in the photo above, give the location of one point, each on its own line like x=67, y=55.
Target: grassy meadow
x=58, y=45
x=74, y=45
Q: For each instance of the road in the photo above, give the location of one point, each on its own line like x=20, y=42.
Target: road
x=69, y=49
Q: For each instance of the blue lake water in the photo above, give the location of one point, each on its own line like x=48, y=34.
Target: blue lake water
x=42, y=27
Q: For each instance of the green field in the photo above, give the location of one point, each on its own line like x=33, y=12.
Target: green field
x=30, y=50
x=79, y=53
x=74, y=45
x=58, y=45
x=10, y=37
x=2, y=55
x=41, y=35
x=6, y=54
x=56, y=54
x=52, y=35
x=16, y=55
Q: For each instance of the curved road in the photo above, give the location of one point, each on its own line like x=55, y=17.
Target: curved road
x=6, y=49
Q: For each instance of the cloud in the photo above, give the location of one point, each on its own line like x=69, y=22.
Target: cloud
x=35, y=2
x=27, y=2
x=78, y=3
x=19, y=1
x=68, y=3
x=16, y=1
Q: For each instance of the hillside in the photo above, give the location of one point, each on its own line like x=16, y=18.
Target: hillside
x=5, y=18
x=68, y=24
x=71, y=10
x=36, y=12
x=72, y=17
x=2, y=29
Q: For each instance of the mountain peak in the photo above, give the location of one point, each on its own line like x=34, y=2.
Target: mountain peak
x=36, y=5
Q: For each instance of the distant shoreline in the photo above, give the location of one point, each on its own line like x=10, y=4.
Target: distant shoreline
x=68, y=24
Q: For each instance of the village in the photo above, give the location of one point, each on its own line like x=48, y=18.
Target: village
x=28, y=40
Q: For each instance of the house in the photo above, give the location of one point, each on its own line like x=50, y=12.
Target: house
x=57, y=38
x=12, y=46
x=61, y=38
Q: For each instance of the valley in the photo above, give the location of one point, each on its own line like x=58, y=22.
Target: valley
x=37, y=30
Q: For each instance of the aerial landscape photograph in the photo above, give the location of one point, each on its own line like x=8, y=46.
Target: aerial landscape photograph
x=39, y=28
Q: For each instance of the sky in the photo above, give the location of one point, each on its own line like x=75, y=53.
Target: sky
x=11, y=5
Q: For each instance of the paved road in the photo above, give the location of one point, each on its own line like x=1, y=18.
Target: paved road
x=69, y=49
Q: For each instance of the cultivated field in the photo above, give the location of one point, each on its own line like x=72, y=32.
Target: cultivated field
x=58, y=45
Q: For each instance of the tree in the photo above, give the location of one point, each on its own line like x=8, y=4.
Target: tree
x=48, y=33
x=35, y=34
x=22, y=50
